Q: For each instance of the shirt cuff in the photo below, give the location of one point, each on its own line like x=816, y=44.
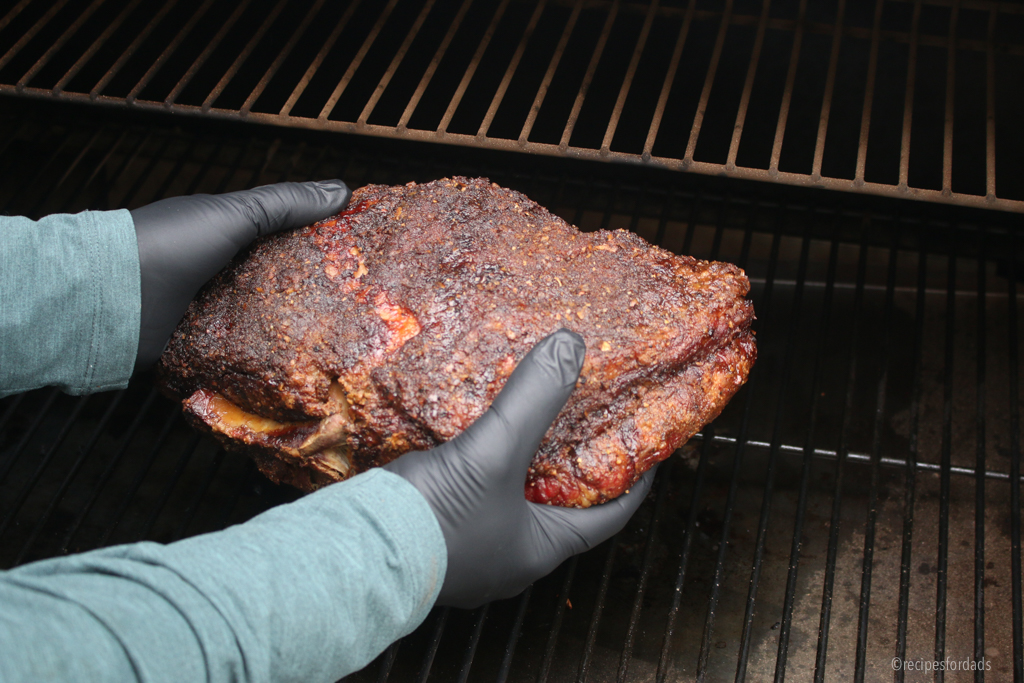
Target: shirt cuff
x=72, y=317
x=117, y=288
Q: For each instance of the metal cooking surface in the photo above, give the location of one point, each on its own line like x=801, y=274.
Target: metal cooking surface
x=906, y=98
x=858, y=500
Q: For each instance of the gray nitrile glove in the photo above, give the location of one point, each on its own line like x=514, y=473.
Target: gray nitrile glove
x=499, y=543
x=184, y=241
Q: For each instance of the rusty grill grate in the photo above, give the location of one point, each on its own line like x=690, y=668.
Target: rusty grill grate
x=858, y=500
x=905, y=98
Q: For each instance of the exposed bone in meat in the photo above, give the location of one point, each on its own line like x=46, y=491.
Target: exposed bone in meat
x=392, y=326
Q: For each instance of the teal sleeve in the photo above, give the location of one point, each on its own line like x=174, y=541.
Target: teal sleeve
x=308, y=591
x=70, y=299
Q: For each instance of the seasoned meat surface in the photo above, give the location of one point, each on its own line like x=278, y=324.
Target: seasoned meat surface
x=391, y=327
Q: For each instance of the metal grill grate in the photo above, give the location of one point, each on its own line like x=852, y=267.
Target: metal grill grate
x=905, y=98
x=858, y=500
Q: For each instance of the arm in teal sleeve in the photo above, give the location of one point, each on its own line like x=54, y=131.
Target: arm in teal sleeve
x=69, y=302
x=308, y=591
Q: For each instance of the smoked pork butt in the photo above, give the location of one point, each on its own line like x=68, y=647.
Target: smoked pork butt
x=391, y=327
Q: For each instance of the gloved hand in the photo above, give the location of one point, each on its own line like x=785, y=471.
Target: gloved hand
x=498, y=542
x=184, y=241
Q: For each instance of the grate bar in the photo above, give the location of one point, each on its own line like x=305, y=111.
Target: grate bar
x=556, y=623
x=213, y=154
x=474, y=640
x=395, y=62
x=1015, y=554
x=730, y=503
x=513, y=637
x=634, y=60
x=131, y=158
x=698, y=486
x=691, y=223
x=31, y=33
x=769, y=484
x=205, y=54
x=830, y=83
x=787, y=92
x=11, y=408
x=130, y=493
x=645, y=571
x=249, y=483
x=109, y=469
x=910, y=476
x=388, y=661
x=314, y=66
x=188, y=452
x=908, y=97
x=670, y=77
x=979, y=460
x=581, y=94
x=95, y=172
x=59, y=43
x=471, y=68
x=709, y=80
x=716, y=583
x=243, y=55
x=595, y=616
x=941, y=578
x=549, y=74
x=178, y=164
x=825, y=619
x=990, y=106
x=510, y=71
x=869, y=94
x=168, y=51
x=8, y=141
x=428, y=75
x=435, y=640
x=634, y=222
x=786, y=623
x=947, y=138
x=84, y=453
x=193, y=506
x=357, y=61
x=100, y=41
x=281, y=56
x=876, y=439
x=684, y=556
x=132, y=48
x=12, y=457
x=27, y=183
x=13, y=13
x=67, y=171
x=748, y=85
x=43, y=462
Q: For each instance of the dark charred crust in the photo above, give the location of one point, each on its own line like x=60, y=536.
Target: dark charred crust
x=421, y=299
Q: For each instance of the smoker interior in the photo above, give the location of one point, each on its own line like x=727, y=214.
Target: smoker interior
x=858, y=500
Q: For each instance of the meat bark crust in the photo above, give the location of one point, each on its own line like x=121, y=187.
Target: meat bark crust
x=391, y=327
